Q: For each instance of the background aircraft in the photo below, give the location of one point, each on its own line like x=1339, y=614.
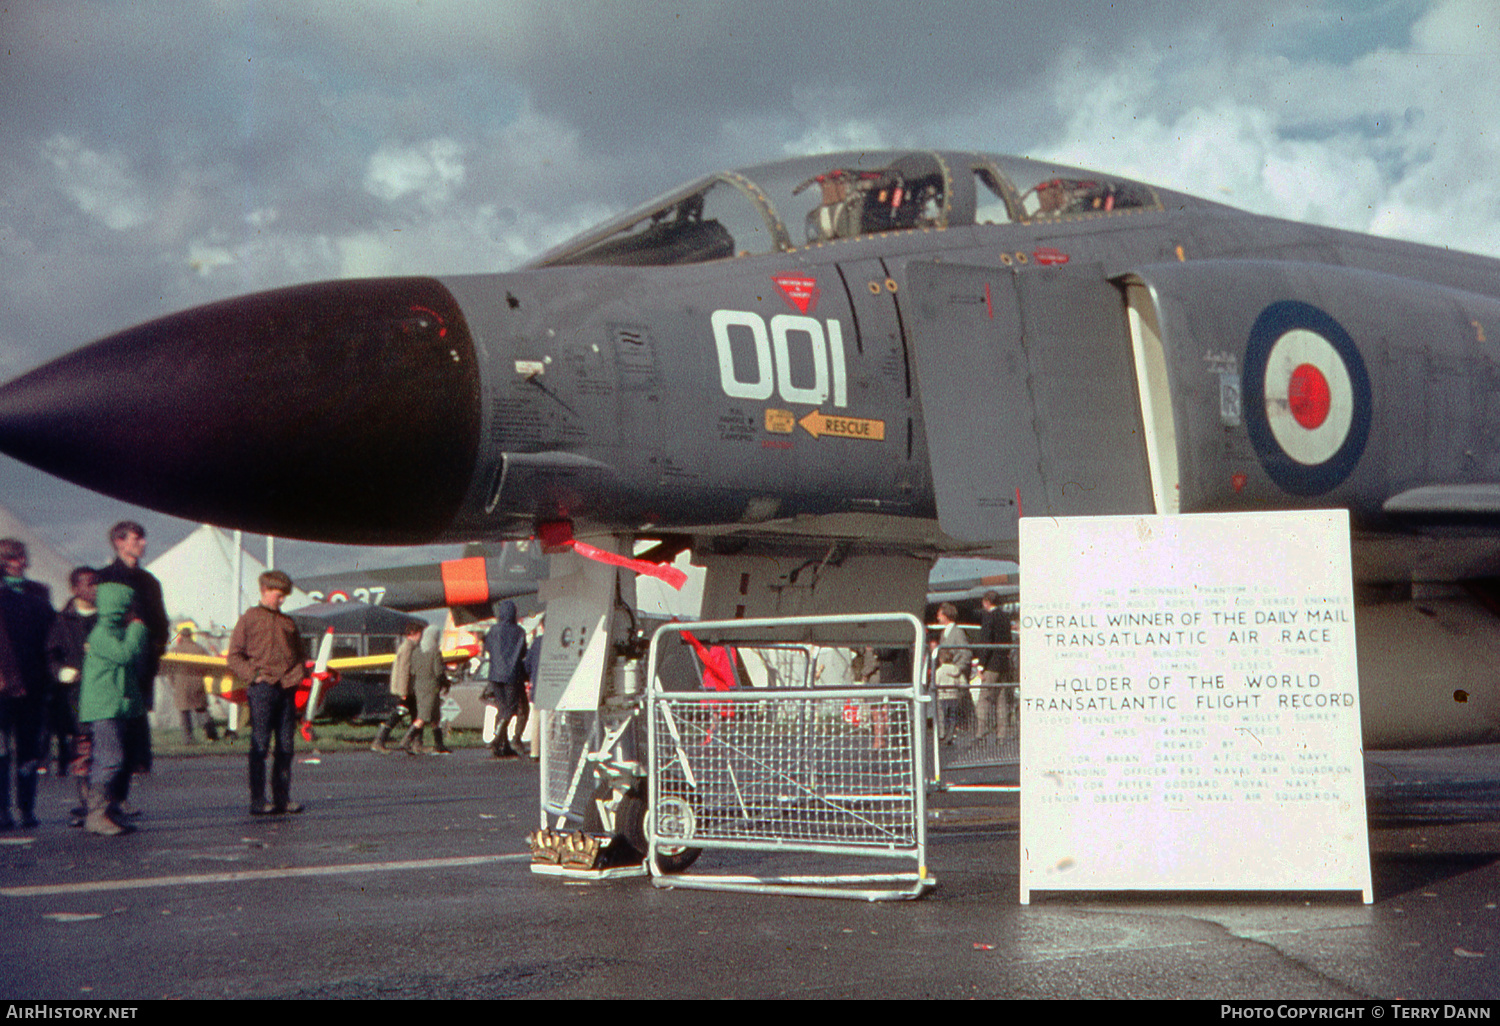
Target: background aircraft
x=469, y=586
x=348, y=677
x=824, y=372
x=486, y=573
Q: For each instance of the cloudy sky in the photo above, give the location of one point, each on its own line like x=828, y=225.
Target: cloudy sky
x=155, y=156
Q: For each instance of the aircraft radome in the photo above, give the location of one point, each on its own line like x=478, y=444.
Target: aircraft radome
x=821, y=373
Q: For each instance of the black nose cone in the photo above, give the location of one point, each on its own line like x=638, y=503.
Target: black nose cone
x=341, y=411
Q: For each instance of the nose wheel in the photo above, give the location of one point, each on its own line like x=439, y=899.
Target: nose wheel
x=630, y=823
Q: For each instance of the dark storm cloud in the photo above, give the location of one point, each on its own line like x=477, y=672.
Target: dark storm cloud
x=655, y=88
x=281, y=104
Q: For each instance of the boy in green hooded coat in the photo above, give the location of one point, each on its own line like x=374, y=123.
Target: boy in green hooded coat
x=109, y=699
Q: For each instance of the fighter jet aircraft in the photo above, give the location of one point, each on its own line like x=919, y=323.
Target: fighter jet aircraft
x=821, y=373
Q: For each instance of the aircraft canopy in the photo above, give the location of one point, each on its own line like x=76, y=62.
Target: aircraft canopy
x=814, y=200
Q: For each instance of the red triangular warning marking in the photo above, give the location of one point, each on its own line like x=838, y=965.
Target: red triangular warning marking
x=800, y=291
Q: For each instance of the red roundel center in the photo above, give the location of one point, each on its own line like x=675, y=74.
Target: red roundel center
x=1308, y=396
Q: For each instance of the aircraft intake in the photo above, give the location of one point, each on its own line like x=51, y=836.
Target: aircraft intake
x=340, y=411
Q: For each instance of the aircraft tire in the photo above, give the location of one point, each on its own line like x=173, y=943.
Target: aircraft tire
x=630, y=822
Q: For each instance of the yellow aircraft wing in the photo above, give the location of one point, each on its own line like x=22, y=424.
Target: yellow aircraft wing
x=377, y=662
x=208, y=662
x=374, y=662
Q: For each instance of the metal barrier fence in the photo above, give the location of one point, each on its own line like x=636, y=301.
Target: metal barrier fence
x=827, y=772
x=574, y=742
x=976, y=725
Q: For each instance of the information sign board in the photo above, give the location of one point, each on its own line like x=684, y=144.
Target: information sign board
x=580, y=596
x=1190, y=705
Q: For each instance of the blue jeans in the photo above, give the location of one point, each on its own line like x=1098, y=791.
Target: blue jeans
x=109, y=775
x=273, y=714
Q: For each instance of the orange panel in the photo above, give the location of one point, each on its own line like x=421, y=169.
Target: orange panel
x=465, y=582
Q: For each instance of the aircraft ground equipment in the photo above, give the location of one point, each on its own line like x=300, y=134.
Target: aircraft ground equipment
x=588, y=690
x=777, y=777
x=591, y=804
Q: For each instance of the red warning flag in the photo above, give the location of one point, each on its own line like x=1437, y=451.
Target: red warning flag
x=558, y=534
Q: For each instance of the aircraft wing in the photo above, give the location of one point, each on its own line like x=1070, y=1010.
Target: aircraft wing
x=374, y=662
x=377, y=662
x=208, y=662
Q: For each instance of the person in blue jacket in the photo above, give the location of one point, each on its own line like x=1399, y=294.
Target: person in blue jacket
x=506, y=691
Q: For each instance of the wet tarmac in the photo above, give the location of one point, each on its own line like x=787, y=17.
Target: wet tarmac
x=407, y=878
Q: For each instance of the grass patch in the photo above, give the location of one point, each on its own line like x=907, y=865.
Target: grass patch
x=330, y=737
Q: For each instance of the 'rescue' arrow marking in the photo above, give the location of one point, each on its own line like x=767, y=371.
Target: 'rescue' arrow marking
x=817, y=423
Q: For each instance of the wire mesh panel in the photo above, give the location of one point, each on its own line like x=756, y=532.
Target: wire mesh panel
x=566, y=787
x=779, y=769
x=977, y=725
x=831, y=771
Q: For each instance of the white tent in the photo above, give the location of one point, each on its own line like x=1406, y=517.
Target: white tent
x=197, y=580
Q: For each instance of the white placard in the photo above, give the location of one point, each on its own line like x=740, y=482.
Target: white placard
x=1190, y=705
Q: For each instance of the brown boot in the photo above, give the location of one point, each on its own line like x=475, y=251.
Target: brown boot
x=384, y=735
x=411, y=744
x=97, y=821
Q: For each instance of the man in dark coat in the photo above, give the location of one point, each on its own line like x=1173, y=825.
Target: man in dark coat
x=129, y=541
x=26, y=616
x=65, y=650
x=994, y=629
x=506, y=646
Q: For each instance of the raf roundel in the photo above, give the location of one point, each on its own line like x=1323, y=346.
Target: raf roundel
x=1308, y=397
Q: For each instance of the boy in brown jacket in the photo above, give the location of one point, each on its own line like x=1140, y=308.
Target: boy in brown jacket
x=265, y=651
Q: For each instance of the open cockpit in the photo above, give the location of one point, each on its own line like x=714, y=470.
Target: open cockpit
x=815, y=201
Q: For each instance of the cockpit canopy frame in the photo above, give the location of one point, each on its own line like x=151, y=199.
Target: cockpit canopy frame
x=839, y=197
